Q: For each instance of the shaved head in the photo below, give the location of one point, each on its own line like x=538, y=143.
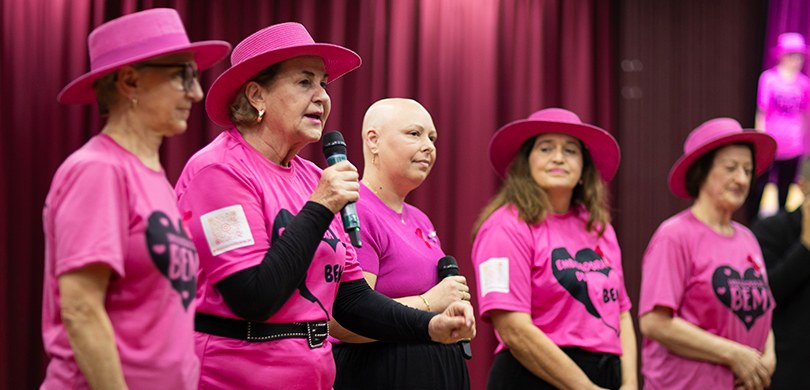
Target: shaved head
x=394, y=113
x=398, y=147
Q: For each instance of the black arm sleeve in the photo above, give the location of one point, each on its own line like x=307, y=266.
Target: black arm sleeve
x=786, y=259
x=256, y=293
x=366, y=312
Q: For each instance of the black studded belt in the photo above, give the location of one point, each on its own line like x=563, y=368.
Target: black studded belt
x=315, y=332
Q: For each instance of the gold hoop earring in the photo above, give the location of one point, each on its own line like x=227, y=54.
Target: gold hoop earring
x=374, y=159
x=261, y=115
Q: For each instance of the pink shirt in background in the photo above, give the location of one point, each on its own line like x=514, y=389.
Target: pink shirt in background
x=785, y=104
x=716, y=282
x=568, y=279
x=401, y=249
x=237, y=202
x=106, y=207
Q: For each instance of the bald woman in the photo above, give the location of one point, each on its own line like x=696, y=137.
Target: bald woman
x=399, y=256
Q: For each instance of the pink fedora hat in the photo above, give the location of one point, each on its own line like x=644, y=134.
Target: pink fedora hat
x=134, y=38
x=264, y=48
x=789, y=43
x=506, y=142
x=714, y=134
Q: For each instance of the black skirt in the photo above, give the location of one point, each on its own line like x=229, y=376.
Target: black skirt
x=406, y=366
x=603, y=369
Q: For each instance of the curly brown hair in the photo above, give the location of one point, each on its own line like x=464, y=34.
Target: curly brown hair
x=531, y=201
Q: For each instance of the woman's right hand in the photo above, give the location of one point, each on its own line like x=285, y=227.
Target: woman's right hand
x=748, y=369
x=447, y=291
x=338, y=186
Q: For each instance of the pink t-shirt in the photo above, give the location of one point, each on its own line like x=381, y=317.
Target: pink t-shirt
x=238, y=202
x=568, y=279
x=401, y=249
x=106, y=207
x=713, y=281
x=785, y=104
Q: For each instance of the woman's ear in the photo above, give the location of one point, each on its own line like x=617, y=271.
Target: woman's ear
x=127, y=82
x=255, y=95
x=372, y=139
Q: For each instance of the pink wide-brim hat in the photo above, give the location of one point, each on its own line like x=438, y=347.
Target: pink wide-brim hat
x=506, y=142
x=715, y=134
x=789, y=43
x=266, y=47
x=135, y=38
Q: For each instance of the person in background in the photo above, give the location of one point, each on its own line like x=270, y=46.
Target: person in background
x=785, y=242
x=399, y=256
x=548, y=263
x=705, y=307
x=118, y=299
x=783, y=101
x=275, y=263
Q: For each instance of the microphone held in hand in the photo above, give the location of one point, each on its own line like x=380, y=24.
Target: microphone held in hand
x=448, y=267
x=334, y=149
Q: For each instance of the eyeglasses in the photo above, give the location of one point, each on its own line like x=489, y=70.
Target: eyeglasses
x=189, y=75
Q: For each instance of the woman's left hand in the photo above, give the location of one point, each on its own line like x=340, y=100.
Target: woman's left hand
x=454, y=324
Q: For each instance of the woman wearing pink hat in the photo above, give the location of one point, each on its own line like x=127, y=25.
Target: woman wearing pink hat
x=548, y=263
x=119, y=266
x=783, y=111
x=275, y=263
x=705, y=307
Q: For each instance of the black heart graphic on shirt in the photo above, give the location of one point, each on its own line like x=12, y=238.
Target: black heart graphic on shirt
x=284, y=217
x=571, y=273
x=174, y=254
x=748, y=297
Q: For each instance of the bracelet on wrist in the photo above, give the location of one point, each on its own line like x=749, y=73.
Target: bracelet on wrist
x=425, y=301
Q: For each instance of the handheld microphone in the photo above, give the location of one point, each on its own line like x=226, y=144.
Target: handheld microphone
x=448, y=267
x=334, y=149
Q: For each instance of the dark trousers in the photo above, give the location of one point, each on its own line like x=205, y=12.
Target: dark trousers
x=603, y=369
x=400, y=366
x=785, y=176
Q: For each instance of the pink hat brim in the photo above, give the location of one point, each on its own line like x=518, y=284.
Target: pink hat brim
x=777, y=52
x=337, y=60
x=206, y=54
x=764, y=152
x=603, y=148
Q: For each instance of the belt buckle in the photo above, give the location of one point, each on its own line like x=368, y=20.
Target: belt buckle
x=314, y=339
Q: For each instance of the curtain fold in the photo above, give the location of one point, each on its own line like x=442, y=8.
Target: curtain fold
x=475, y=64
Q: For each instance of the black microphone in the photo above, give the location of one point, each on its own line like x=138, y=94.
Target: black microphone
x=448, y=267
x=334, y=148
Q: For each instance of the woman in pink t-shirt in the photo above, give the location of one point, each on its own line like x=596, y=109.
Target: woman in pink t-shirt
x=275, y=262
x=119, y=265
x=399, y=256
x=705, y=307
x=548, y=263
x=783, y=106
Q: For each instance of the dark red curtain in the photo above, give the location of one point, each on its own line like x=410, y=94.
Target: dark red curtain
x=475, y=64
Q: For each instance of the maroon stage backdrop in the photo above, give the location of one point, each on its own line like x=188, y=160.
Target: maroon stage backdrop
x=475, y=65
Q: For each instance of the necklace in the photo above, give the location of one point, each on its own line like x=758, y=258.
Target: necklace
x=401, y=215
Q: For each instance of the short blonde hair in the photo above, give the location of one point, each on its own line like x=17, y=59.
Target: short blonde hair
x=242, y=112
